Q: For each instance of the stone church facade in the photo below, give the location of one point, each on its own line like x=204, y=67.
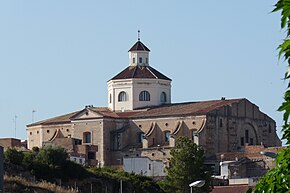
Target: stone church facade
x=140, y=120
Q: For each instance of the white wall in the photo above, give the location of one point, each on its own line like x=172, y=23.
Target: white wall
x=137, y=55
x=79, y=160
x=133, y=87
x=143, y=166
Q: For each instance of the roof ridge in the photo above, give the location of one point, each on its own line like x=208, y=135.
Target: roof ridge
x=151, y=72
x=134, y=72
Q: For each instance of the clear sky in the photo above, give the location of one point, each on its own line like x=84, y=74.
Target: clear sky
x=56, y=56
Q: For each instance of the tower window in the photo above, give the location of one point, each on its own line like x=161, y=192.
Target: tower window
x=140, y=60
x=144, y=96
x=163, y=97
x=110, y=98
x=146, y=60
x=134, y=61
x=122, y=96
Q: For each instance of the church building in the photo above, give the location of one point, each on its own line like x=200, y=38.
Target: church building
x=141, y=121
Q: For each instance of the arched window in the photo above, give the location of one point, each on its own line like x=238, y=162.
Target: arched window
x=167, y=136
x=144, y=96
x=163, y=97
x=87, y=137
x=122, y=96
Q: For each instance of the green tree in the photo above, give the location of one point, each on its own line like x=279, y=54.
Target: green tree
x=278, y=179
x=52, y=156
x=13, y=156
x=186, y=166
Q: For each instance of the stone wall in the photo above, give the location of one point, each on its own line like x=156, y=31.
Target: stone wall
x=9, y=143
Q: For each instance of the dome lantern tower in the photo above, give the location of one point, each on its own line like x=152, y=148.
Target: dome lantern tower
x=139, y=85
x=139, y=54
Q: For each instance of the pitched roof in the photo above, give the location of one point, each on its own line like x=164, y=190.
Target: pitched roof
x=139, y=46
x=185, y=109
x=167, y=110
x=55, y=120
x=140, y=72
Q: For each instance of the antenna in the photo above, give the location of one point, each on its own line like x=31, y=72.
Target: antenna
x=138, y=35
x=33, y=111
x=14, y=119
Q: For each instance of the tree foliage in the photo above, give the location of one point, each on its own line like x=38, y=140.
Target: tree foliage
x=278, y=179
x=11, y=155
x=186, y=166
x=52, y=156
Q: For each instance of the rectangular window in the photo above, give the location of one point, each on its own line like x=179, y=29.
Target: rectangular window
x=134, y=61
x=167, y=136
x=251, y=141
x=146, y=60
x=221, y=123
x=242, y=141
x=247, y=136
x=140, y=137
x=117, y=141
x=140, y=60
x=91, y=155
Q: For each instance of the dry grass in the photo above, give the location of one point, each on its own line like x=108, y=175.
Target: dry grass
x=45, y=186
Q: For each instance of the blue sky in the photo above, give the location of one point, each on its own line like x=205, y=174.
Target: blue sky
x=56, y=56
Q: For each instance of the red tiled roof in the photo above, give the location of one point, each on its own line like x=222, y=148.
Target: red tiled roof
x=140, y=72
x=139, y=46
x=177, y=109
x=185, y=109
x=55, y=120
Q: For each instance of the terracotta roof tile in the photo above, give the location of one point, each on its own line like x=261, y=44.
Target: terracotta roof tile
x=55, y=120
x=184, y=109
x=177, y=109
x=140, y=72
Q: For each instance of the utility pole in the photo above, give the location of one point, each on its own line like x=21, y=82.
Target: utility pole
x=15, y=120
x=121, y=186
x=33, y=111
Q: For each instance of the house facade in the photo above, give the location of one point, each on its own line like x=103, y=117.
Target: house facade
x=140, y=120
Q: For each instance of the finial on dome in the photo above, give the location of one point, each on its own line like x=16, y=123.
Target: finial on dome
x=138, y=35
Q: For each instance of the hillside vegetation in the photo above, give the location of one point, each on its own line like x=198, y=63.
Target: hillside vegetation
x=42, y=170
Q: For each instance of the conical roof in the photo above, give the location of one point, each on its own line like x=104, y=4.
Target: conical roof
x=139, y=46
